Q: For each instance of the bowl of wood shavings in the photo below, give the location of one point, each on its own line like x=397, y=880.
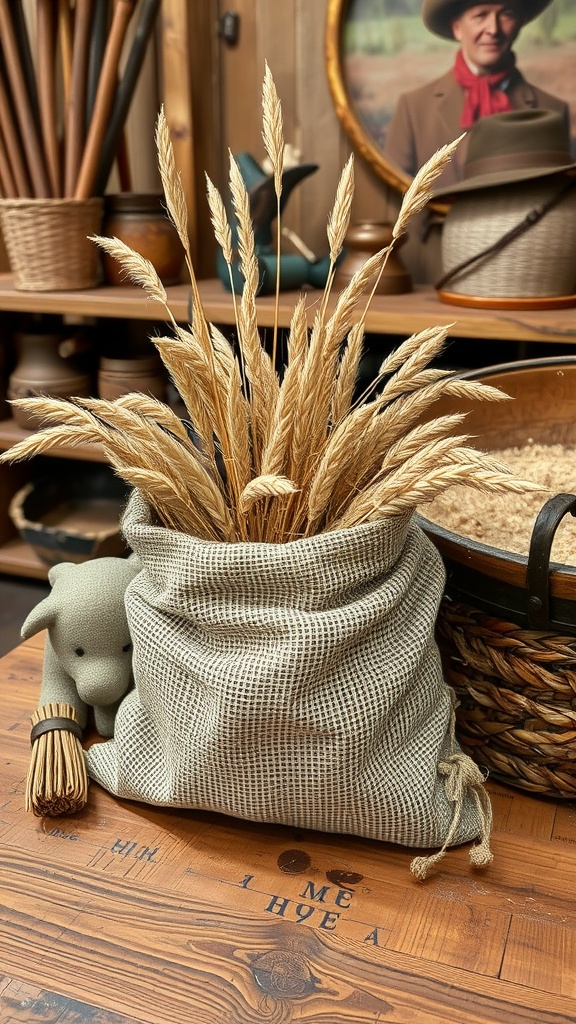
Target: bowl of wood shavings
x=485, y=538
x=507, y=624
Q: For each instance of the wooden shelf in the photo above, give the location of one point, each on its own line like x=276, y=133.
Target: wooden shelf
x=19, y=559
x=388, y=314
x=126, y=302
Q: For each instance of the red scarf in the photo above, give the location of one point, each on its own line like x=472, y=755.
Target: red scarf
x=482, y=93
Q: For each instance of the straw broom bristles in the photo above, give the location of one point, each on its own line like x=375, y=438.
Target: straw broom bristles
x=302, y=455
x=57, y=780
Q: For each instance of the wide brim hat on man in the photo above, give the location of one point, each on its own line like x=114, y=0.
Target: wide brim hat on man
x=518, y=145
x=438, y=15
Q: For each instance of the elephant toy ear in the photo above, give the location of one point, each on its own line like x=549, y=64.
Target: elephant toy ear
x=58, y=570
x=41, y=617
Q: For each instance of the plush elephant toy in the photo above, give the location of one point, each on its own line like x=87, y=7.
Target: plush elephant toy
x=88, y=652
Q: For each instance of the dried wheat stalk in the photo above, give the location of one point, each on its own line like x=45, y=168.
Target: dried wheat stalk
x=274, y=460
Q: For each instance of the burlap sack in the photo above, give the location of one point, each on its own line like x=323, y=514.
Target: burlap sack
x=296, y=683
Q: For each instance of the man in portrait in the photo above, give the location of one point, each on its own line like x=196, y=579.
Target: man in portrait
x=484, y=80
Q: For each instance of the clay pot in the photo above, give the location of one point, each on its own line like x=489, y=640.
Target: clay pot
x=364, y=240
x=43, y=369
x=118, y=377
x=140, y=221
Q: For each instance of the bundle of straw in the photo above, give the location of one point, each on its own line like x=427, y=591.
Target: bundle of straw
x=57, y=780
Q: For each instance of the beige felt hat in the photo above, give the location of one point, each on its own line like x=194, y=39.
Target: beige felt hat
x=519, y=145
x=438, y=15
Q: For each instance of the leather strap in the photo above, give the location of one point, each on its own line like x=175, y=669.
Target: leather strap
x=50, y=724
x=532, y=217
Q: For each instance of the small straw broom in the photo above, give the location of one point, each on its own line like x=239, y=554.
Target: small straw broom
x=272, y=460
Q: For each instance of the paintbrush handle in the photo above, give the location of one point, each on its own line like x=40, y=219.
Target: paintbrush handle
x=26, y=60
x=98, y=35
x=47, y=90
x=65, y=38
x=32, y=149
x=123, y=11
x=12, y=141
x=146, y=20
x=76, y=110
x=9, y=188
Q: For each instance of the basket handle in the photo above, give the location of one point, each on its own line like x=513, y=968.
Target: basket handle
x=547, y=522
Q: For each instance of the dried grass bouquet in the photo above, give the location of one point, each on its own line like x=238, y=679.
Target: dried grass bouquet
x=300, y=455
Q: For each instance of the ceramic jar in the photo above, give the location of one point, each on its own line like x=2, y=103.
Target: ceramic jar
x=140, y=221
x=364, y=240
x=118, y=377
x=42, y=369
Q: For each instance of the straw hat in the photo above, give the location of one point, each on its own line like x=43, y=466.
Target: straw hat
x=438, y=15
x=519, y=145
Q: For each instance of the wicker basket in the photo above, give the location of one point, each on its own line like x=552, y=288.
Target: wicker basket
x=507, y=624
x=47, y=242
x=541, y=262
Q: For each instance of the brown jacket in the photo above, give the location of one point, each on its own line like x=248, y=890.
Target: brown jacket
x=429, y=117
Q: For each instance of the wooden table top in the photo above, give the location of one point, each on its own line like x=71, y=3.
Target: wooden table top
x=128, y=913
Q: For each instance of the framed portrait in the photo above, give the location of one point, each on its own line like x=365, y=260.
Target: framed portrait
x=378, y=49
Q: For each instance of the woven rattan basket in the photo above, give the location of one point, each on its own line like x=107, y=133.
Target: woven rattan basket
x=541, y=262
x=47, y=242
x=507, y=624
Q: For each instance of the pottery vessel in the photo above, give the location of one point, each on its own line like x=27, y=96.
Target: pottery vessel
x=42, y=369
x=363, y=241
x=118, y=377
x=140, y=221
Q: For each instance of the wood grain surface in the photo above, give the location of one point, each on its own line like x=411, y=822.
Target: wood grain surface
x=127, y=913
x=388, y=314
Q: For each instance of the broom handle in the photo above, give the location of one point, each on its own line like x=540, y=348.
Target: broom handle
x=23, y=106
x=12, y=141
x=47, y=90
x=104, y=98
x=76, y=110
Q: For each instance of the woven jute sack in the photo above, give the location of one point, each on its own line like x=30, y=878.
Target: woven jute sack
x=294, y=683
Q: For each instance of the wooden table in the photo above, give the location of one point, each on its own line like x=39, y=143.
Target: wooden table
x=190, y=918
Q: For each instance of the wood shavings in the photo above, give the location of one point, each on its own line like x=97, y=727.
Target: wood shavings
x=506, y=521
